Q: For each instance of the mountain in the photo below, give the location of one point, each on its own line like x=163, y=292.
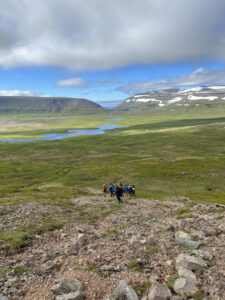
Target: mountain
x=175, y=97
x=24, y=104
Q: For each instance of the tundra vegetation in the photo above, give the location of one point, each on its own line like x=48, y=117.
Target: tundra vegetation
x=169, y=154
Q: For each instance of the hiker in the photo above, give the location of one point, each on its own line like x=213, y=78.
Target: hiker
x=133, y=191
x=111, y=189
x=104, y=189
x=126, y=190
x=118, y=193
x=129, y=190
x=121, y=186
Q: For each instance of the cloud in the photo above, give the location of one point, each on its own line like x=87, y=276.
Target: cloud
x=98, y=34
x=19, y=93
x=200, y=76
x=72, y=82
x=81, y=83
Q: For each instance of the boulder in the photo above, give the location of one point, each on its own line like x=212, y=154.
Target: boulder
x=185, y=286
x=124, y=292
x=181, y=235
x=204, y=254
x=183, y=272
x=66, y=285
x=3, y=297
x=191, y=263
x=159, y=292
x=190, y=244
x=70, y=296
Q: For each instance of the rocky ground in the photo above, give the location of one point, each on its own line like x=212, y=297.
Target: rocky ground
x=179, y=244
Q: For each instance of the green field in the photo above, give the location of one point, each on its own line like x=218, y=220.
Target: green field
x=167, y=155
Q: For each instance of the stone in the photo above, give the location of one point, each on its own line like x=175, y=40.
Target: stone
x=198, y=234
x=70, y=296
x=204, y=254
x=12, y=290
x=170, y=227
x=190, y=244
x=134, y=240
x=185, y=223
x=159, y=292
x=124, y=291
x=110, y=268
x=185, y=286
x=71, y=248
x=2, y=297
x=185, y=240
x=181, y=235
x=183, y=272
x=191, y=263
x=81, y=237
x=66, y=285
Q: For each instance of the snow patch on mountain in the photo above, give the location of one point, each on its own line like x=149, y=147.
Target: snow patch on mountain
x=210, y=98
x=174, y=100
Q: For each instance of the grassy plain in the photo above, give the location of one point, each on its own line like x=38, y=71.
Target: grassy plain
x=167, y=154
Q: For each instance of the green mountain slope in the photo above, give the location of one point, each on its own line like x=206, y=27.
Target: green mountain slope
x=16, y=104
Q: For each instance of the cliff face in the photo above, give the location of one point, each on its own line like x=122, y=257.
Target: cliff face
x=15, y=104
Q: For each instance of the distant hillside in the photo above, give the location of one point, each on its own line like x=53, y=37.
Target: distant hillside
x=175, y=97
x=22, y=104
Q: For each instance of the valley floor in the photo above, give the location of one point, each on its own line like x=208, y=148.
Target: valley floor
x=137, y=241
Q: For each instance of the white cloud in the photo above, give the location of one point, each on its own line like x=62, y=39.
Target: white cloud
x=16, y=93
x=198, y=77
x=99, y=34
x=81, y=83
x=20, y=93
x=72, y=82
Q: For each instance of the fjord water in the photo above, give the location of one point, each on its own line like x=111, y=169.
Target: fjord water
x=71, y=133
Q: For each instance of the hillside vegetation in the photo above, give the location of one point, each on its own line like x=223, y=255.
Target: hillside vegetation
x=175, y=155
x=30, y=105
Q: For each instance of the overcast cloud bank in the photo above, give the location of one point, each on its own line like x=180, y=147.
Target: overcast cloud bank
x=99, y=34
x=199, y=77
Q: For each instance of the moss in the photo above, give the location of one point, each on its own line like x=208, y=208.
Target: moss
x=110, y=233
x=199, y=295
x=151, y=250
x=142, y=287
x=171, y=280
x=137, y=266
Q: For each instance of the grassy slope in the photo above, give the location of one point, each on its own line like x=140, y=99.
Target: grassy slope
x=151, y=153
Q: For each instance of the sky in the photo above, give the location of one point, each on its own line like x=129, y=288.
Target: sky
x=109, y=50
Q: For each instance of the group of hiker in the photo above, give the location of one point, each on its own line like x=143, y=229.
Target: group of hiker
x=119, y=190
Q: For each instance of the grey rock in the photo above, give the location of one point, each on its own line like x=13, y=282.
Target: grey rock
x=80, y=236
x=185, y=223
x=66, y=285
x=159, y=292
x=70, y=296
x=185, y=240
x=199, y=234
x=2, y=297
x=12, y=290
x=124, y=292
x=181, y=235
x=204, y=254
x=110, y=268
x=170, y=227
x=183, y=272
x=185, y=286
x=72, y=248
x=190, y=244
x=192, y=263
x=134, y=240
